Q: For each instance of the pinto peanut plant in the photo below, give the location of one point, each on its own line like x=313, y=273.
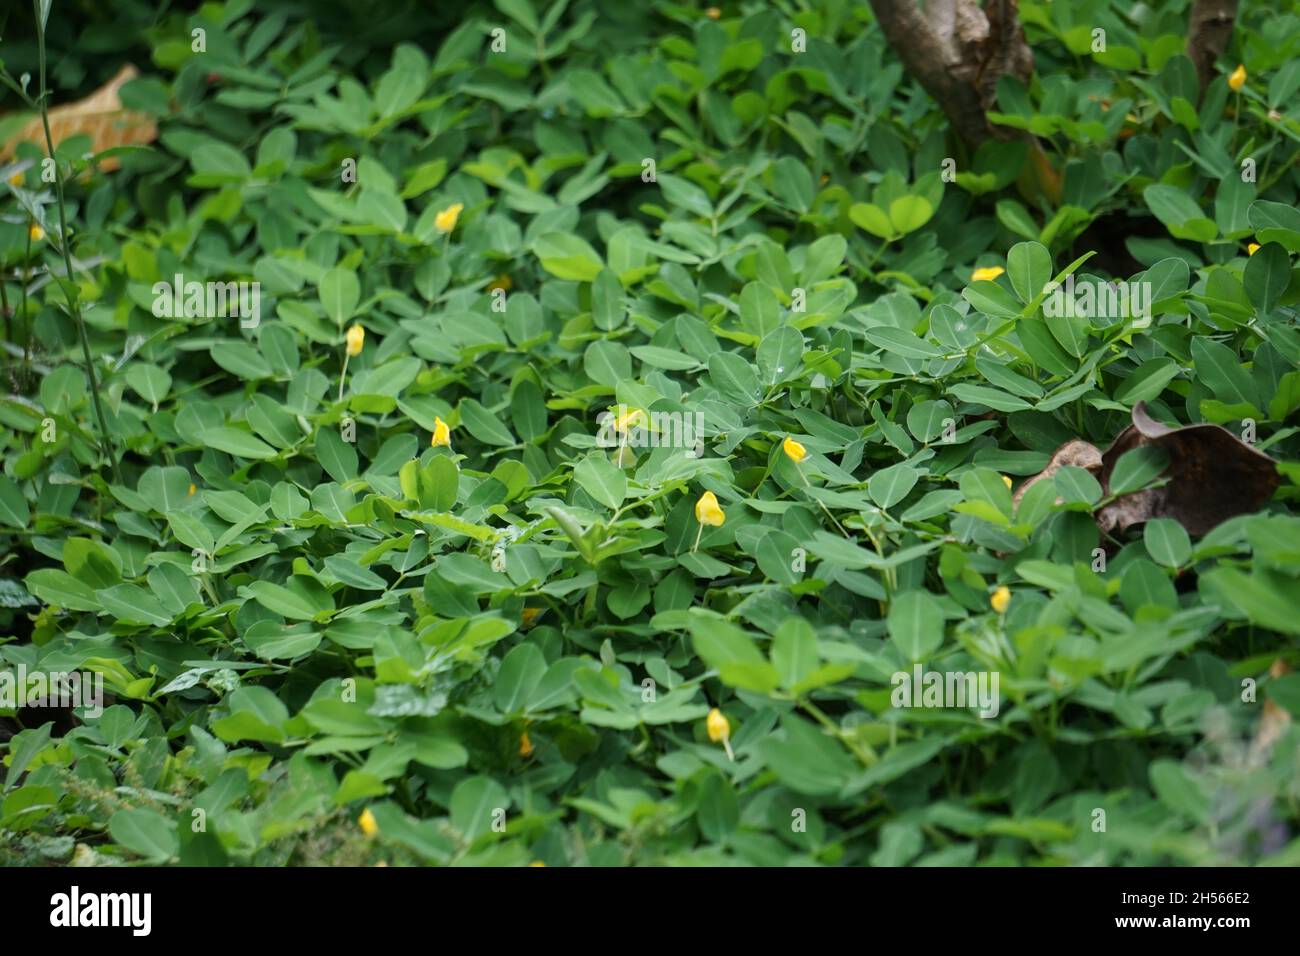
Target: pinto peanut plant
x=638, y=434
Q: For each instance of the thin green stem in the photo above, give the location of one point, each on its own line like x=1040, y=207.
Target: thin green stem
x=74, y=301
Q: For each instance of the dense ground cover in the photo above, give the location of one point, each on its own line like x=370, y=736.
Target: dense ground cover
x=702, y=382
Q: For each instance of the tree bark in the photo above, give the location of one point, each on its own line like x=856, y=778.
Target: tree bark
x=958, y=51
x=1208, y=33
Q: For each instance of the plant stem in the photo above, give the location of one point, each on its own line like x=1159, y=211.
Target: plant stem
x=74, y=303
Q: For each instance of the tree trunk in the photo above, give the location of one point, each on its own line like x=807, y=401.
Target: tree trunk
x=1208, y=34
x=958, y=52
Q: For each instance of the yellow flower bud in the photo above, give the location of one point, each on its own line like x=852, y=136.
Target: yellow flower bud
x=525, y=745
x=1001, y=599
x=1252, y=248
x=445, y=221
x=369, y=826
x=718, y=726
x=793, y=450
x=713, y=13
x=36, y=233
x=986, y=274
x=1007, y=479
x=537, y=863
x=441, y=434
x=502, y=282
x=529, y=616
x=356, y=338
x=1238, y=78
x=16, y=179
x=192, y=489
x=631, y=418
x=708, y=511
x=719, y=730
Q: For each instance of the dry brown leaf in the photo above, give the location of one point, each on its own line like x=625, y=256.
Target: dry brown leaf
x=1212, y=475
x=99, y=116
x=1073, y=454
x=1273, y=722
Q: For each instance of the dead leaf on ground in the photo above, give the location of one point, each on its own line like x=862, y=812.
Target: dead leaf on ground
x=1273, y=722
x=1211, y=476
x=1073, y=454
x=99, y=116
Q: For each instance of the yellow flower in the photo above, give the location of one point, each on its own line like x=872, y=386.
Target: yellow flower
x=719, y=730
x=1252, y=248
x=708, y=511
x=367, y=822
x=713, y=13
x=986, y=274
x=445, y=221
x=1001, y=599
x=1006, y=479
x=525, y=745
x=537, y=863
x=1238, y=78
x=36, y=233
x=441, y=434
x=16, y=179
x=631, y=418
x=192, y=488
x=529, y=616
x=502, y=282
x=793, y=450
x=356, y=338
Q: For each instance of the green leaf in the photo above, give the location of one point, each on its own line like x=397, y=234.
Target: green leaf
x=241, y=359
x=916, y=624
x=1180, y=213
x=779, y=355
x=292, y=604
x=805, y=759
x=794, y=652
x=1176, y=789
x=1267, y=274
x=601, y=479
x=13, y=506
x=873, y=219
x=145, y=832
x=126, y=602
x=483, y=425
x=149, y=381
x=607, y=308
x=1167, y=542
x=1267, y=597
x=238, y=443
x=891, y=485
x=337, y=457
x=1137, y=468
x=521, y=672
x=735, y=378
x=735, y=656
x=1029, y=266
x=1218, y=368
x=340, y=292
x=59, y=589
x=909, y=213
x=566, y=256
x=475, y=803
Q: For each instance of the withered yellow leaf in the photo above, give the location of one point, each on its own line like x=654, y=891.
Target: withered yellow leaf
x=99, y=116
